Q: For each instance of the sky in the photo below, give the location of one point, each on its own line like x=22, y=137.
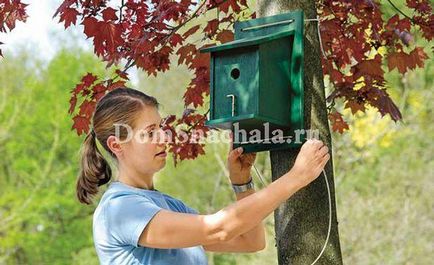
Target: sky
x=43, y=35
x=41, y=32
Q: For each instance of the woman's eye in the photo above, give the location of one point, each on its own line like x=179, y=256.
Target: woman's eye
x=152, y=133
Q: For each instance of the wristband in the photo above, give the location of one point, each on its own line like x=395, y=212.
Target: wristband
x=243, y=187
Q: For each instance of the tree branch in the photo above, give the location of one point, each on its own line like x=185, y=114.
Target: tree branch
x=400, y=11
x=196, y=123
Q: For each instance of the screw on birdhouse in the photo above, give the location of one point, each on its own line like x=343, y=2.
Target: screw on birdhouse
x=269, y=25
x=233, y=103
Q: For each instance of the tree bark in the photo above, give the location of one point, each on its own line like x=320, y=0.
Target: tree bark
x=301, y=223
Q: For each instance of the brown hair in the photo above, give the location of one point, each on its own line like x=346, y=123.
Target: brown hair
x=119, y=106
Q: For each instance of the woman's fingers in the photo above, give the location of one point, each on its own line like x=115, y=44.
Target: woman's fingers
x=235, y=154
x=323, y=151
x=324, y=160
x=248, y=159
x=231, y=141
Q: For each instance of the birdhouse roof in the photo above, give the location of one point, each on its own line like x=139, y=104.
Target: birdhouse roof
x=249, y=41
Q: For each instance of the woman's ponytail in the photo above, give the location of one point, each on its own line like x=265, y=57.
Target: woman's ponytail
x=94, y=172
x=119, y=106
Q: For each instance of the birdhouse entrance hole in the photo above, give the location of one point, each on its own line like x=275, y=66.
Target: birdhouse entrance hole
x=235, y=73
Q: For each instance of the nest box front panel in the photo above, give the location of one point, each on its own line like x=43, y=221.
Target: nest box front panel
x=235, y=86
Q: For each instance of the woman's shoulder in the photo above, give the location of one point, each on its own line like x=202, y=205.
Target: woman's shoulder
x=178, y=205
x=117, y=196
x=118, y=203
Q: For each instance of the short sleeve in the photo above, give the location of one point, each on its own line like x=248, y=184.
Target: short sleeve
x=190, y=210
x=186, y=208
x=127, y=217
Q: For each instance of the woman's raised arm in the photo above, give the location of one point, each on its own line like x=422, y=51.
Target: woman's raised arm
x=177, y=230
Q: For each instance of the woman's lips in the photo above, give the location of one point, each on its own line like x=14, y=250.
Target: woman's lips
x=162, y=154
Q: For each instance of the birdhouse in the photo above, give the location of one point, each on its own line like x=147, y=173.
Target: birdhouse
x=256, y=82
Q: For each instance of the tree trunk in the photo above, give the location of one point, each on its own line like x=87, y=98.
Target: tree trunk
x=301, y=223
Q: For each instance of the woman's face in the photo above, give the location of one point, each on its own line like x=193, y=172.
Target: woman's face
x=145, y=152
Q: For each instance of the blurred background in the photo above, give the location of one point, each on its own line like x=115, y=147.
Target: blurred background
x=384, y=171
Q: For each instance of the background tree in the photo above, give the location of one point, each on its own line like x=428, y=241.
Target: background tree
x=302, y=222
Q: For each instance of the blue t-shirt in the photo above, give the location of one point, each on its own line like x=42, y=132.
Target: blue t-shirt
x=118, y=221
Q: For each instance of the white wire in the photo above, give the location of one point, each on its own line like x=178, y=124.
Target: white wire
x=330, y=212
x=330, y=219
x=259, y=175
x=317, y=19
x=323, y=171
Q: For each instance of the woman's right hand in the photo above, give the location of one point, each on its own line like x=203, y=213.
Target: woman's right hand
x=310, y=161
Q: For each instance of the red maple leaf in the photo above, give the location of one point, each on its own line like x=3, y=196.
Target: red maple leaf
x=355, y=106
x=176, y=39
x=225, y=36
x=116, y=85
x=87, y=108
x=190, y=31
x=224, y=5
x=338, y=123
x=90, y=26
x=186, y=54
x=81, y=124
x=422, y=6
x=122, y=74
x=72, y=103
x=99, y=90
x=369, y=68
x=404, y=61
x=69, y=16
x=109, y=14
x=193, y=96
x=211, y=27
x=65, y=4
x=418, y=56
x=110, y=34
x=88, y=79
x=78, y=88
x=426, y=24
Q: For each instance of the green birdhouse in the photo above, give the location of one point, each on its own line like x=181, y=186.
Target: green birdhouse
x=256, y=82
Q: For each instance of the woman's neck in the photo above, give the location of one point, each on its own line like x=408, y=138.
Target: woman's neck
x=135, y=179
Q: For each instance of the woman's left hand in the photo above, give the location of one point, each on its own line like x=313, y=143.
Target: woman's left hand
x=239, y=164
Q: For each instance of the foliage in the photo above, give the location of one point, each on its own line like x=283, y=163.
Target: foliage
x=41, y=222
x=358, y=39
x=382, y=169
x=10, y=13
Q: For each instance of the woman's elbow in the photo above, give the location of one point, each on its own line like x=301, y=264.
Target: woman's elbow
x=261, y=245
x=257, y=245
x=220, y=227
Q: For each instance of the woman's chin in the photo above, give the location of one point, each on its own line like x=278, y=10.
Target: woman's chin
x=162, y=162
x=160, y=158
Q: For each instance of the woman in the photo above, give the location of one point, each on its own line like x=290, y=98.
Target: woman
x=136, y=224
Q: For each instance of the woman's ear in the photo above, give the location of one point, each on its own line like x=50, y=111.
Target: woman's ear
x=114, y=145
